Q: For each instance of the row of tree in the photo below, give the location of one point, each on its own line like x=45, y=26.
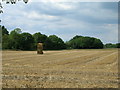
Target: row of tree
x=110, y=45
x=81, y=42
x=17, y=40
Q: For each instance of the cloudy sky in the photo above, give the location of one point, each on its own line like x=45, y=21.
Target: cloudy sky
x=65, y=19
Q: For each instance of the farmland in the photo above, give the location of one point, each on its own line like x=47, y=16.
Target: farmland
x=84, y=68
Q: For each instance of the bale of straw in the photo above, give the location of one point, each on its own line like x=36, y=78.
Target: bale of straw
x=39, y=48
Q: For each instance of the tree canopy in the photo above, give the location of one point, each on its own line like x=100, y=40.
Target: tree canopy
x=39, y=38
x=19, y=40
x=27, y=41
x=4, y=30
x=110, y=45
x=81, y=42
x=56, y=42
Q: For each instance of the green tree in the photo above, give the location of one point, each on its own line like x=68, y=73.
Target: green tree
x=56, y=43
x=15, y=38
x=48, y=44
x=110, y=45
x=6, y=42
x=4, y=30
x=39, y=38
x=36, y=37
x=18, y=30
x=97, y=44
x=4, y=38
x=118, y=45
x=27, y=41
x=80, y=42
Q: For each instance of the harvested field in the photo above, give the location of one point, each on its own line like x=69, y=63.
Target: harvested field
x=90, y=68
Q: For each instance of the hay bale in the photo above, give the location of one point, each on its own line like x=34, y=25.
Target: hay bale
x=39, y=48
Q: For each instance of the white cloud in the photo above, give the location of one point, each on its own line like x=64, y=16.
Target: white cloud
x=64, y=6
x=63, y=19
x=35, y=15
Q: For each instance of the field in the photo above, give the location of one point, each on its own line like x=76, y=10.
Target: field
x=85, y=68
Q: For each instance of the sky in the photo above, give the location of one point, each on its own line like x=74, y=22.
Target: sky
x=64, y=19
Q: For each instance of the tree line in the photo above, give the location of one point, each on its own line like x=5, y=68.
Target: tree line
x=110, y=45
x=16, y=40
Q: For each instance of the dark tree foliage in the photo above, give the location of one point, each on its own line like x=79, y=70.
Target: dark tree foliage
x=15, y=38
x=110, y=45
x=36, y=37
x=39, y=38
x=25, y=41
x=48, y=44
x=80, y=42
x=97, y=44
x=4, y=30
x=18, y=40
x=118, y=45
x=6, y=42
x=55, y=43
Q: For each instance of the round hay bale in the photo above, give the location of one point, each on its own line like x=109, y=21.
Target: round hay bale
x=40, y=48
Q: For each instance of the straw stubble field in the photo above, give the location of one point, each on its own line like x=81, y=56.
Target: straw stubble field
x=61, y=69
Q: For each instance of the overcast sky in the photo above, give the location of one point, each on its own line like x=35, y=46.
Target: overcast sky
x=65, y=19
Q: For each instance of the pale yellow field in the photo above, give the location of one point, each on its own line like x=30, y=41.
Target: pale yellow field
x=88, y=68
